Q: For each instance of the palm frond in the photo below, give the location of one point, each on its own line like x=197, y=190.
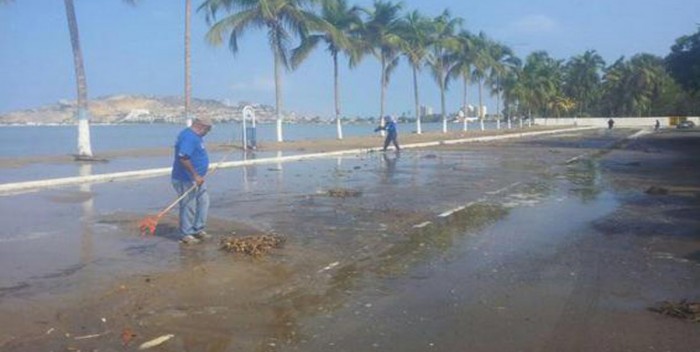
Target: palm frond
x=300, y=53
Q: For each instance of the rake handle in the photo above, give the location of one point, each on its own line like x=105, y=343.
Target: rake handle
x=181, y=197
x=167, y=209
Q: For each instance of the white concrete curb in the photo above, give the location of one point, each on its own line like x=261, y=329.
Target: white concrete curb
x=17, y=187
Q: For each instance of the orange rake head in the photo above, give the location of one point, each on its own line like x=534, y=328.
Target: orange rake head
x=148, y=225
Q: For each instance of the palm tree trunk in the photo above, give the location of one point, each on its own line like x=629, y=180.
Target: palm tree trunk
x=188, y=84
x=336, y=89
x=383, y=92
x=481, y=107
x=465, y=107
x=415, y=98
x=84, y=147
x=498, y=107
x=498, y=102
x=442, y=103
x=278, y=96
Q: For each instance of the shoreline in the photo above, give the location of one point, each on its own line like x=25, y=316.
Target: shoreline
x=309, y=150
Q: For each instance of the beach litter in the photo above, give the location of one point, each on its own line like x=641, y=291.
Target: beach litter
x=682, y=310
x=329, y=267
x=155, y=342
x=127, y=336
x=255, y=245
x=343, y=193
x=91, y=336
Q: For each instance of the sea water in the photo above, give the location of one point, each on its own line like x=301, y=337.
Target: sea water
x=26, y=141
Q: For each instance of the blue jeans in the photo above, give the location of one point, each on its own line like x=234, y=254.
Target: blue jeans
x=391, y=138
x=193, y=208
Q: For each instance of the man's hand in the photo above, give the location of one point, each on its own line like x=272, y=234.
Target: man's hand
x=199, y=180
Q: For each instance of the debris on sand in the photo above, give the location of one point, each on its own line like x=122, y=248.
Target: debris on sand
x=127, y=336
x=683, y=310
x=343, y=193
x=155, y=342
x=256, y=245
x=657, y=191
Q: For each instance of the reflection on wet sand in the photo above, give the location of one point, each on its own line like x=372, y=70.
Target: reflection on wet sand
x=250, y=172
x=390, y=165
x=86, y=237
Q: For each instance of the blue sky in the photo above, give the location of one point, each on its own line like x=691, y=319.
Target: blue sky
x=139, y=50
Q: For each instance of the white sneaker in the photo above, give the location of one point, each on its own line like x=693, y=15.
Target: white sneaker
x=202, y=235
x=189, y=239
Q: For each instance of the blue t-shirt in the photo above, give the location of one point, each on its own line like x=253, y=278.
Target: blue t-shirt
x=391, y=127
x=191, y=145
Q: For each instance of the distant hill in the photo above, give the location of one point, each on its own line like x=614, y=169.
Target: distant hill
x=137, y=109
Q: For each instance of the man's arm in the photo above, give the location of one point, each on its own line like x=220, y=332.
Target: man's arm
x=185, y=161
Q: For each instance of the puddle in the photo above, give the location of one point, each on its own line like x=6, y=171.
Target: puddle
x=349, y=262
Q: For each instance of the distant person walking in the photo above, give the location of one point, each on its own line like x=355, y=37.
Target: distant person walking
x=391, y=132
x=611, y=123
x=190, y=165
x=657, y=125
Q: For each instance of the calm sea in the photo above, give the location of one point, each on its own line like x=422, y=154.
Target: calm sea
x=18, y=141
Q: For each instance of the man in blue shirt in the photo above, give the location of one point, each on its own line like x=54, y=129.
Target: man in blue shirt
x=189, y=168
x=391, y=133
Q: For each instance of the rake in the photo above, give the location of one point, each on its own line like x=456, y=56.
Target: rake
x=150, y=222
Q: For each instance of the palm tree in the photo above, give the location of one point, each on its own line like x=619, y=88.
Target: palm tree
x=283, y=19
x=510, y=91
x=630, y=87
x=444, y=44
x=462, y=68
x=416, y=29
x=188, y=83
x=582, y=79
x=344, y=23
x=503, y=61
x=481, y=64
x=540, y=81
x=82, y=114
x=381, y=35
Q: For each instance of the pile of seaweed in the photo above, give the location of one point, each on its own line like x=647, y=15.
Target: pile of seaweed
x=255, y=245
x=683, y=310
x=343, y=193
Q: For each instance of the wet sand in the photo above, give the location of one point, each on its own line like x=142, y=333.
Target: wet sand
x=541, y=244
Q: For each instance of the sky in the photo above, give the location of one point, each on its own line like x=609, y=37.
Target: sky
x=139, y=50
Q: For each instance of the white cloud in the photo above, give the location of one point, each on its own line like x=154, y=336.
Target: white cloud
x=535, y=24
x=265, y=84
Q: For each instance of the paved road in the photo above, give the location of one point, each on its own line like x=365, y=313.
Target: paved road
x=542, y=244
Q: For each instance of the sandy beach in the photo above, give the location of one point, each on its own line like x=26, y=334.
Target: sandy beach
x=551, y=243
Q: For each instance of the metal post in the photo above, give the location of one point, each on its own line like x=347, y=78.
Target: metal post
x=243, y=117
x=249, y=113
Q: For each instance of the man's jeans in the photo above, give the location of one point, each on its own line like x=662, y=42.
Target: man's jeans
x=193, y=208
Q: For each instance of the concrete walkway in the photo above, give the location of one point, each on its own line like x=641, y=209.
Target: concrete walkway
x=18, y=187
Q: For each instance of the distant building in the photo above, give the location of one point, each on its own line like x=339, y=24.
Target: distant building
x=426, y=110
x=483, y=110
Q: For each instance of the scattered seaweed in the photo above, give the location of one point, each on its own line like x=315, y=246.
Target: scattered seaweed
x=343, y=193
x=255, y=245
x=682, y=310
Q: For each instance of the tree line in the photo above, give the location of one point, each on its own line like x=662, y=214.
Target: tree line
x=539, y=85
